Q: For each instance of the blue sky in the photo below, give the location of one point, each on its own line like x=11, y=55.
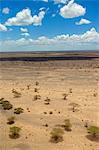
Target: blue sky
x=49, y=25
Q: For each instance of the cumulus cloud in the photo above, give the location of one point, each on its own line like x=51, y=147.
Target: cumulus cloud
x=5, y=10
x=3, y=27
x=24, y=29
x=25, y=17
x=83, y=21
x=26, y=34
x=89, y=36
x=72, y=10
x=86, y=41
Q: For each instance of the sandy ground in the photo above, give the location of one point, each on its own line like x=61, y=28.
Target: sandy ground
x=55, y=78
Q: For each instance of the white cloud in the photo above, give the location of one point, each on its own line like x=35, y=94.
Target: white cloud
x=61, y=1
x=90, y=36
x=5, y=10
x=26, y=34
x=25, y=17
x=83, y=21
x=72, y=10
x=3, y=27
x=24, y=29
x=37, y=20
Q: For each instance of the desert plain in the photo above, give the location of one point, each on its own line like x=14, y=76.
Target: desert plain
x=41, y=76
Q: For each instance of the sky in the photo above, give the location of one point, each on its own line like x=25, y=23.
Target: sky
x=49, y=25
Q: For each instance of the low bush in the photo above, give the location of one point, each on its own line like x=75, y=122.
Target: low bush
x=67, y=125
x=56, y=135
x=14, y=132
x=18, y=110
x=11, y=120
x=6, y=105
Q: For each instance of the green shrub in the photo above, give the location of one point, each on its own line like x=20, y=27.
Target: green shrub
x=18, y=110
x=14, y=132
x=93, y=131
x=56, y=135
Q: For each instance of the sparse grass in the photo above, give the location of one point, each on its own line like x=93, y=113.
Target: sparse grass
x=14, y=132
x=74, y=106
x=35, y=90
x=67, y=125
x=70, y=90
x=47, y=101
x=86, y=124
x=56, y=135
x=6, y=105
x=18, y=110
x=95, y=94
x=36, y=97
x=11, y=120
x=28, y=87
x=65, y=96
x=16, y=94
x=37, y=83
x=1, y=98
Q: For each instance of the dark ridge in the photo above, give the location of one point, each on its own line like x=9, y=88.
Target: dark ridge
x=48, y=58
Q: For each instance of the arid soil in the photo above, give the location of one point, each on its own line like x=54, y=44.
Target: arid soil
x=79, y=79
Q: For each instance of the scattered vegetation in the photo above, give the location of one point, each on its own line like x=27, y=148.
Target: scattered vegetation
x=16, y=94
x=18, y=110
x=56, y=135
x=11, y=120
x=14, y=132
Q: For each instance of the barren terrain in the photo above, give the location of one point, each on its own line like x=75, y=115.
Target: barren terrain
x=77, y=76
